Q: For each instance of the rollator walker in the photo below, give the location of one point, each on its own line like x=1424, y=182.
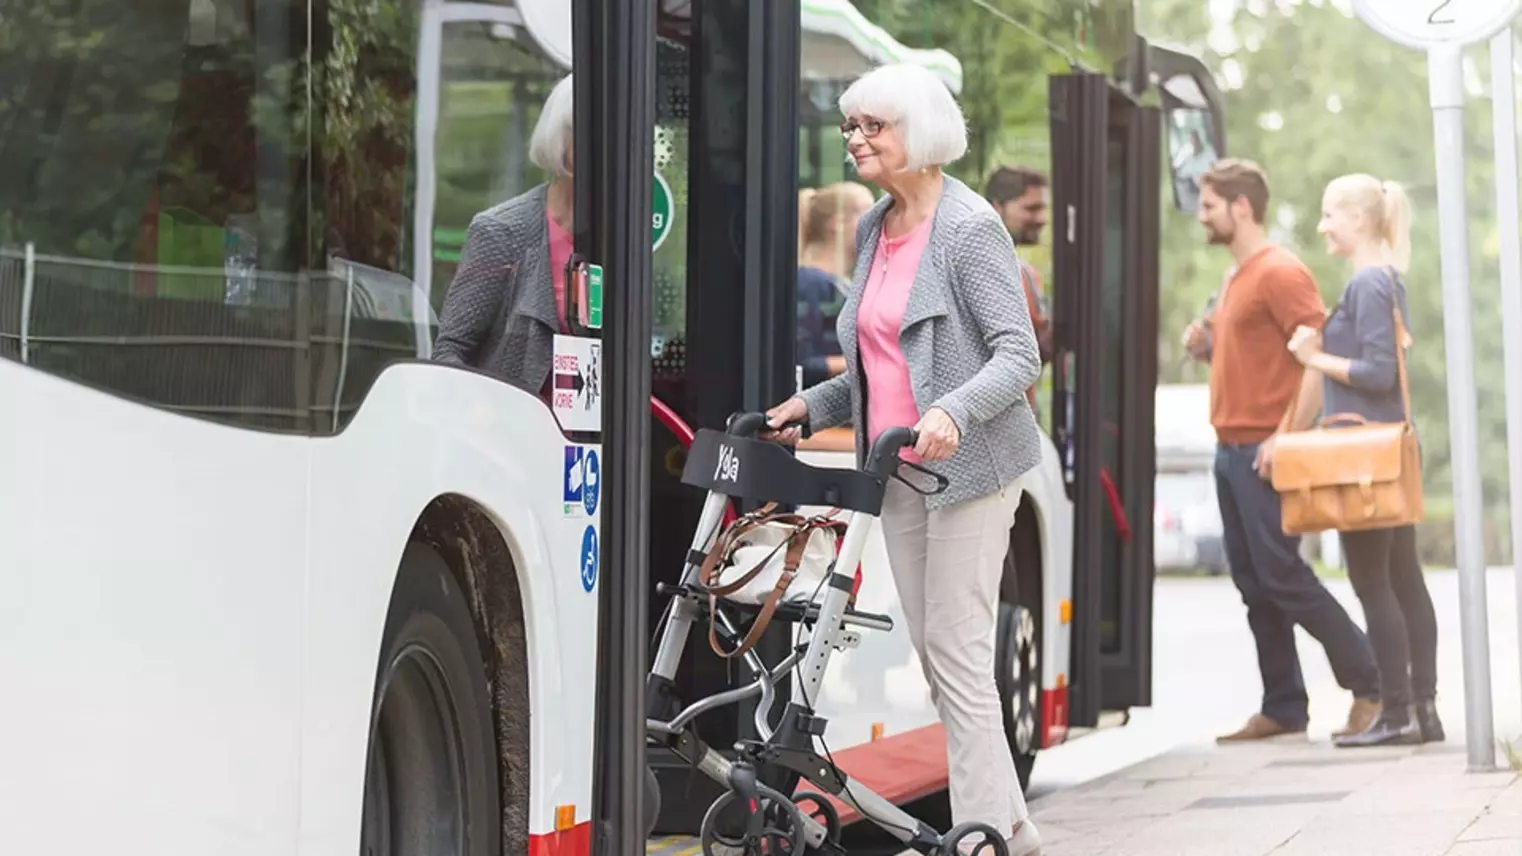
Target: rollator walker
x=753, y=817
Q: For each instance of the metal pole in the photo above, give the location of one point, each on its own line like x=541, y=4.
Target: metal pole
x=1508, y=222
x=28, y=283
x=1445, y=77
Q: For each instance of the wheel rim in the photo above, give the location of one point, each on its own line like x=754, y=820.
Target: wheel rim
x=1024, y=681
x=414, y=786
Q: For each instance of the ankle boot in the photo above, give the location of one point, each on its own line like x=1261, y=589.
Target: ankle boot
x=1393, y=727
x=1427, y=722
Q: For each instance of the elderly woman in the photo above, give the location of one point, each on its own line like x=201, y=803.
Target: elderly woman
x=507, y=299
x=936, y=335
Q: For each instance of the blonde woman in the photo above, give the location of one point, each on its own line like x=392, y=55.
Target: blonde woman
x=1368, y=222
x=826, y=260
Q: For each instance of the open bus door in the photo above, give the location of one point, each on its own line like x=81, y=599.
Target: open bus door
x=1106, y=184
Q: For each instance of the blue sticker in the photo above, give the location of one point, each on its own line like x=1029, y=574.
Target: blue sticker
x=589, y=558
x=591, y=482
x=572, y=481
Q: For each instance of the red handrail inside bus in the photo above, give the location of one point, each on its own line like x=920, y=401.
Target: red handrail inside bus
x=685, y=435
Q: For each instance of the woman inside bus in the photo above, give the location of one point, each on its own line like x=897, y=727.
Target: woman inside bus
x=1368, y=222
x=826, y=255
x=507, y=299
x=936, y=336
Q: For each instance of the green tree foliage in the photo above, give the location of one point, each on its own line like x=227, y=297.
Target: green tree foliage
x=1311, y=93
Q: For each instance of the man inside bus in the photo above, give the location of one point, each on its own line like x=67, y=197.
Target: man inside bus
x=1019, y=194
x=1253, y=379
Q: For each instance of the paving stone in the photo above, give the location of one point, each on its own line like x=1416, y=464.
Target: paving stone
x=1289, y=799
x=1404, y=834
x=1492, y=847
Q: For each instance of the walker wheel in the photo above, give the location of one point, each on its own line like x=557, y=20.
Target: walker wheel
x=819, y=809
x=770, y=826
x=978, y=839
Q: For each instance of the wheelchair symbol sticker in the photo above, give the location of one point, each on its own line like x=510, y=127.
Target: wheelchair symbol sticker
x=589, y=558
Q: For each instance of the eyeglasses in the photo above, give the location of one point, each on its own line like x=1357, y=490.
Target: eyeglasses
x=869, y=127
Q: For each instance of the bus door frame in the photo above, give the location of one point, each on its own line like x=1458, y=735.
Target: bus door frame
x=613, y=45
x=1086, y=110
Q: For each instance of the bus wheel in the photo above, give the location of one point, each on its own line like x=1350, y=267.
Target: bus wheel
x=431, y=775
x=1018, y=668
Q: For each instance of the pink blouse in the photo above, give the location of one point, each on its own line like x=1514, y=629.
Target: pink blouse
x=561, y=246
x=879, y=320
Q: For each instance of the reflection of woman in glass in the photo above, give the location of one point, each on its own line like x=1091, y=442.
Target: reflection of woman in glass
x=507, y=299
x=826, y=262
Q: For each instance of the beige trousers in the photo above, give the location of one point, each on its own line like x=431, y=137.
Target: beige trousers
x=947, y=565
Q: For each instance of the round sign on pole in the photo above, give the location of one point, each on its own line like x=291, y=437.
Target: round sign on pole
x=663, y=211
x=1426, y=24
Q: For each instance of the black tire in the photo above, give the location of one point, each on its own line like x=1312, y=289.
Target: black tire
x=431, y=786
x=652, y=800
x=1017, y=663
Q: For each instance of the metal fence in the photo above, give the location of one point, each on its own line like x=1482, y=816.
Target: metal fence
x=291, y=352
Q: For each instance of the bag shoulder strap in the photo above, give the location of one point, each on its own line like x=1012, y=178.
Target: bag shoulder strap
x=795, y=544
x=1400, y=365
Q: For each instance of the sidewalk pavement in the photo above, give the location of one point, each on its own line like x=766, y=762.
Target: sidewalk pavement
x=1290, y=797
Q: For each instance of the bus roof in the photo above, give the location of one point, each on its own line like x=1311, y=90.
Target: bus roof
x=830, y=25
x=839, y=42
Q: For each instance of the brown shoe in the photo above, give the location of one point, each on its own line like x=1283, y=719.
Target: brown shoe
x=1258, y=727
x=1360, y=716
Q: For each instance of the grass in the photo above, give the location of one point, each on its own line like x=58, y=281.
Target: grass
x=1513, y=752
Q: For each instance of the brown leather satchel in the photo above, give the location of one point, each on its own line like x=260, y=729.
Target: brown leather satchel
x=1367, y=475
x=774, y=535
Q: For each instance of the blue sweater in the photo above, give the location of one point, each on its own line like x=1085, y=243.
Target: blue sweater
x=819, y=303
x=1362, y=329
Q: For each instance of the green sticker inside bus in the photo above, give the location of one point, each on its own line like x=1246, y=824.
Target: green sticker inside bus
x=662, y=212
x=594, y=297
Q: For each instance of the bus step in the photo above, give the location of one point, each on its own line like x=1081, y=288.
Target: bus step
x=673, y=845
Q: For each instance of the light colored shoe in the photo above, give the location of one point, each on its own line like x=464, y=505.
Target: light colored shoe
x=1026, y=840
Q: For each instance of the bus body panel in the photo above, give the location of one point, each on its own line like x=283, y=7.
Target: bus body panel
x=426, y=431
x=152, y=705
x=236, y=661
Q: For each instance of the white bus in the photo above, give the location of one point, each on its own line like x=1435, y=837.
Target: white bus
x=274, y=582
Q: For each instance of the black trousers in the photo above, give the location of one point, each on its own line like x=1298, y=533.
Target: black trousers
x=1387, y=577
x=1280, y=591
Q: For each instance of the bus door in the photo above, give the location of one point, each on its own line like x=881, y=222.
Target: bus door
x=724, y=233
x=1106, y=183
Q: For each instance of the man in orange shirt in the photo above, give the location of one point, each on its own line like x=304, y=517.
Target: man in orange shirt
x=1019, y=194
x=1253, y=379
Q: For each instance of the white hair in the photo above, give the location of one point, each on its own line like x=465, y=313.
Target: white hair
x=552, y=138
x=922, y=110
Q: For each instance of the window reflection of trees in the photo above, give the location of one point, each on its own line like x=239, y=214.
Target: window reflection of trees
x=199, y=211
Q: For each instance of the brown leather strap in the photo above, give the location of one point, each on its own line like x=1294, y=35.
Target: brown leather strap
x=1344, y=417
x=1400, y=362
x=796, y=544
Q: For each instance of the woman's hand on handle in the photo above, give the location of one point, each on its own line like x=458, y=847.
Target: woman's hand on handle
x=939, y=435
x=790, y=413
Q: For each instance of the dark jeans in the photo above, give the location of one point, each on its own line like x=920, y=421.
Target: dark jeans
x=1280, y=591
x=1387, y=576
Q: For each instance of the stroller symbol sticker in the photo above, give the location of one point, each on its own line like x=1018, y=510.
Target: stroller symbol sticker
x=589, y=558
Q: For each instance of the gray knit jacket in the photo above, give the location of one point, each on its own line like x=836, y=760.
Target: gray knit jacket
x=499, y=313
x=968, y=342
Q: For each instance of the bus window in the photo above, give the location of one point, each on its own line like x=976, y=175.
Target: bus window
x=208, y=211
x=492, y=87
